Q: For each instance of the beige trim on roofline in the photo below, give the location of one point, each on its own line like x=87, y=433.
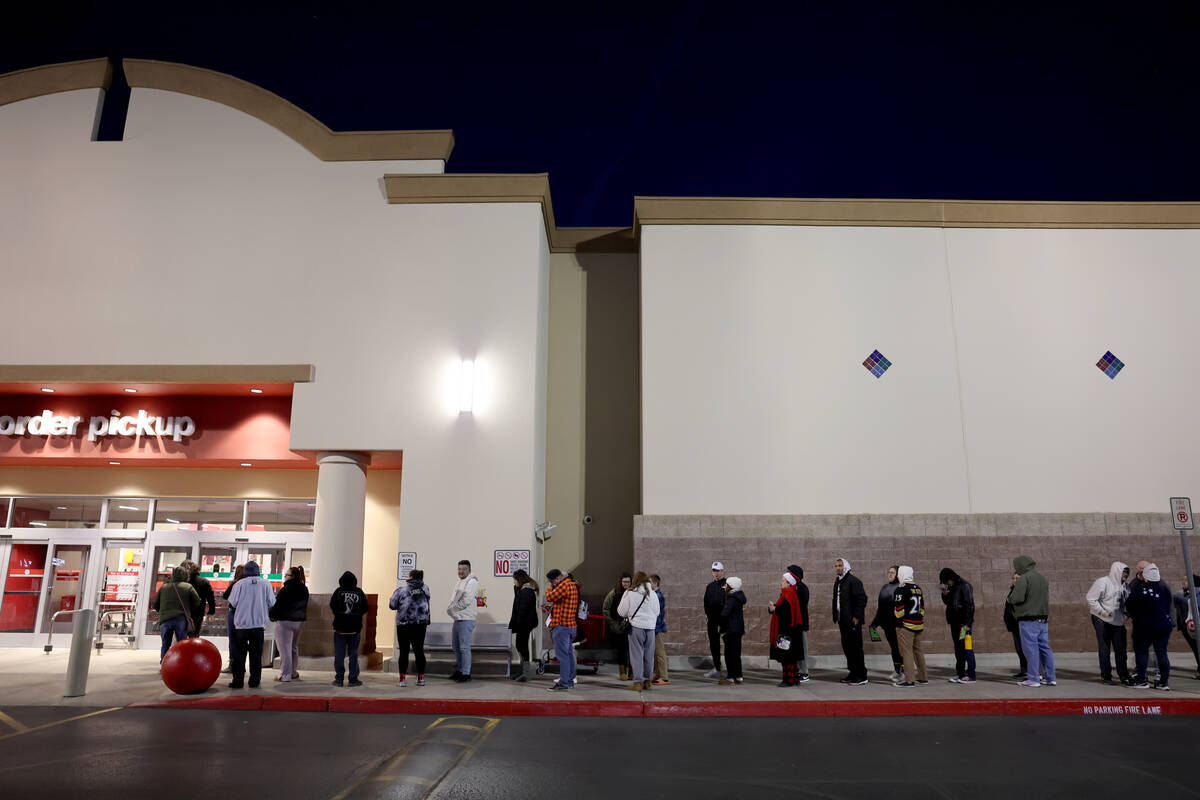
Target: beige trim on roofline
x=25, y=84
x=156, y=373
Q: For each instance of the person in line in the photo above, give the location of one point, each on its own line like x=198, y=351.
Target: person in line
x=1031, y=605
x=885, y=620
x=733, y=627
x=563, y=594
x=1149, y=606
x=250, y=600
x=1183, y=611
x=714, y=604
x=786, y=641
x=410, y=601
x=908, y=606
x=802, y=593
x=1010, y=625
x=204, y=589
x=523, y=621
x=230, y=630
x=849, y=612
x=614, y=622
x=178, y=606
x=348, y=604
x=289, y=612
x=960, y=616
x=1106, y=601
x=639, y=605
x=661, y=673
x=464, y=610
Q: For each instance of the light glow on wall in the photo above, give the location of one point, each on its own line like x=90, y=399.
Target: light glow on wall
x=466, y=387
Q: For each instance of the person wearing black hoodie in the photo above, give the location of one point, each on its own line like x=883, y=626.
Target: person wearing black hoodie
x=714, y=604
x=1149, y=606
x=733, y=626
x=960, y=616
x=348, y=604
x=886, y=620
x=802, y=593
x=289, y=613
x=849, y=612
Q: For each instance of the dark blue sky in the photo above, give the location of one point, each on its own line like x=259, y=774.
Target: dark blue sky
x=1021, y=101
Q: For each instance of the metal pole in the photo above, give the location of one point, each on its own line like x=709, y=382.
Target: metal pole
x=1187, y=563
x=81, y=653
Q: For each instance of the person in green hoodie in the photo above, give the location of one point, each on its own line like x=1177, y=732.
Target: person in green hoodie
x=177, y=605
x=1030, y=599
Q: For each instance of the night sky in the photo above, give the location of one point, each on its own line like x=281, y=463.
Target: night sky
x=1039, y=101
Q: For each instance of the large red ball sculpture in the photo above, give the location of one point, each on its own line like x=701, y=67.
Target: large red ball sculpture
x=191, y=666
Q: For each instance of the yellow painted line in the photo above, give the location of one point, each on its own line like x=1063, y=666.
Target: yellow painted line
x=458, y=727
x=12, y=723
x=59, y=722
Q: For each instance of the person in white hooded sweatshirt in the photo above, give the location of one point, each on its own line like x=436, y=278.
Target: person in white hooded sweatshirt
x=639, y=605
x=464, y=610
x=1106, y=601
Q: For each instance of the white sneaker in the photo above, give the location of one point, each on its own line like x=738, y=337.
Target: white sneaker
x=955, y=679
x=1027, y=682
x=1045, y=682
x=713, y=673
x=896, y=677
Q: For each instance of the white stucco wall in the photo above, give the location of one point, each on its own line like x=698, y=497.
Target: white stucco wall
x=209, y=237
x=755, y=400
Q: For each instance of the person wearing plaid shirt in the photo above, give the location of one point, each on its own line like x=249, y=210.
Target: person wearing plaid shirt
x=563, y=593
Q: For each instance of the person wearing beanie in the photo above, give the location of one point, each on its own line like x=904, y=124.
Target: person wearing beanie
x=1030, y=598
x=714, y=604
x=849, y=612
x=348, y=604
x=1106, y=601
x=960, y=616
x=250, y=599
x=733, y=626
x=1149, y=606
x=802, y=593
x=885, y=620
x=786, y=642
x=563, y=595
x=1183, y=616
x=909, y=609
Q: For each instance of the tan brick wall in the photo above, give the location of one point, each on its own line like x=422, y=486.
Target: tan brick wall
x=1072, y=550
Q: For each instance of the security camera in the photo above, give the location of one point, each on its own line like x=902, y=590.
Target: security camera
x=587, y=519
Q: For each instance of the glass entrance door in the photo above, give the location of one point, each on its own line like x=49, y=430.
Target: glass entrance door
x=218, y=563
x=118, y=606
x=24, y=578
x=68, y=566
x=163, y=561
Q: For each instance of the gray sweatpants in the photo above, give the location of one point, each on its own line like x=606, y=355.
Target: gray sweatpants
x=641, y=653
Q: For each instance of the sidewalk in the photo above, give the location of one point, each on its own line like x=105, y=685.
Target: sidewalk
x=130, y=678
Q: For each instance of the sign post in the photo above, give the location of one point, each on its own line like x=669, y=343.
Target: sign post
x=1181, y=515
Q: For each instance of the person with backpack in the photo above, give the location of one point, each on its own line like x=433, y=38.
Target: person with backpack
x=178, y=607
x=639, y=608
x=250, y=600
x=523, y=620
x=1106, y=601
x=348, y=604
x=614, y=622
x=960, y=616
x=909, y=608
x=785, y=640
x=1149, y=606
x=410, y=601
x=733, y=627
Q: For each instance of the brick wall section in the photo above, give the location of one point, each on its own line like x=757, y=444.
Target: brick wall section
x=1072, y=550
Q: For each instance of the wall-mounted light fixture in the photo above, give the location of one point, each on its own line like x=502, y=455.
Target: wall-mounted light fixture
x=466, y=387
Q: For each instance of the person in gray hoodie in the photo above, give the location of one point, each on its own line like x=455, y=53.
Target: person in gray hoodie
x=1106, y=601
x=250, y=599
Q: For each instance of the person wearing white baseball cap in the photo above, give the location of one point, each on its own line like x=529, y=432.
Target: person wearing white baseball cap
x=714, y=604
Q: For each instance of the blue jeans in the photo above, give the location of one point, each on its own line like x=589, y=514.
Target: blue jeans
x=460, y=638
x=1035, y=641
x=176, y=627
x=345, y=645
x=563, y=637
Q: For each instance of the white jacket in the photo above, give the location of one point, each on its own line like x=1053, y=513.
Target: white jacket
x=647, y=617
x=462, y=599
x=1106, y=598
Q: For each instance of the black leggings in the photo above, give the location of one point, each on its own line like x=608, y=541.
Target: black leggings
x=411, y=636
x=522, y=637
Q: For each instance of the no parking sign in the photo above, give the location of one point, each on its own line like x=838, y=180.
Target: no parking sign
x=509, y=561
x=1181, y=513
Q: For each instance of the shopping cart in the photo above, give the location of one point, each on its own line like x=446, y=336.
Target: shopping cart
x=590, y=633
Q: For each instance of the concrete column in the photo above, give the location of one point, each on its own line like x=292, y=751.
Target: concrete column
x=338, y=529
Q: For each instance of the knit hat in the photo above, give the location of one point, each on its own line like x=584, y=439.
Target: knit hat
x=796, y=570
x=1151, y=574
x=790, y=578
x=734, y=584
x=718, y=565
x=251, y=569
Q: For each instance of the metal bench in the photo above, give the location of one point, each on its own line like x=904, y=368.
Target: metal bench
x=489, y=637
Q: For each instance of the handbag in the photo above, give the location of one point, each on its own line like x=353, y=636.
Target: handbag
x=626, y=625
x=191, y=626
x=783, y=643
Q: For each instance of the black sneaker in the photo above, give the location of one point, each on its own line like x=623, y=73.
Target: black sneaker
x=805, y=678
x=1108, y=681
x=235, y=686
x=336, y=682
x=354, y=683
x=1020, y=676
x=1162, y=687
x=455, y=675
x=463, y=678
x=1127, y=681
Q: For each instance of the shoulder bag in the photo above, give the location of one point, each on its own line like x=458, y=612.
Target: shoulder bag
x=191, y=626
x=626, y=624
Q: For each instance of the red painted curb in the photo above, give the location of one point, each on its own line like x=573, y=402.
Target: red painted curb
x=1150, y=706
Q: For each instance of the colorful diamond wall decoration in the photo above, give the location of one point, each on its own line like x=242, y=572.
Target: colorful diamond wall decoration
x=876, y=364
x=1110, y=365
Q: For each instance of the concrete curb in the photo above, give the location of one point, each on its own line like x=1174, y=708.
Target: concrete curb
x=649, y=708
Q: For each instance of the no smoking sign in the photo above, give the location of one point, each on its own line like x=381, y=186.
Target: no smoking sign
x=1181, y=513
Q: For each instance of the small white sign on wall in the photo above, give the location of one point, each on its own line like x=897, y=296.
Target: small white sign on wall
x=405, y=563
x=509, y=561
x=1181, y=513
